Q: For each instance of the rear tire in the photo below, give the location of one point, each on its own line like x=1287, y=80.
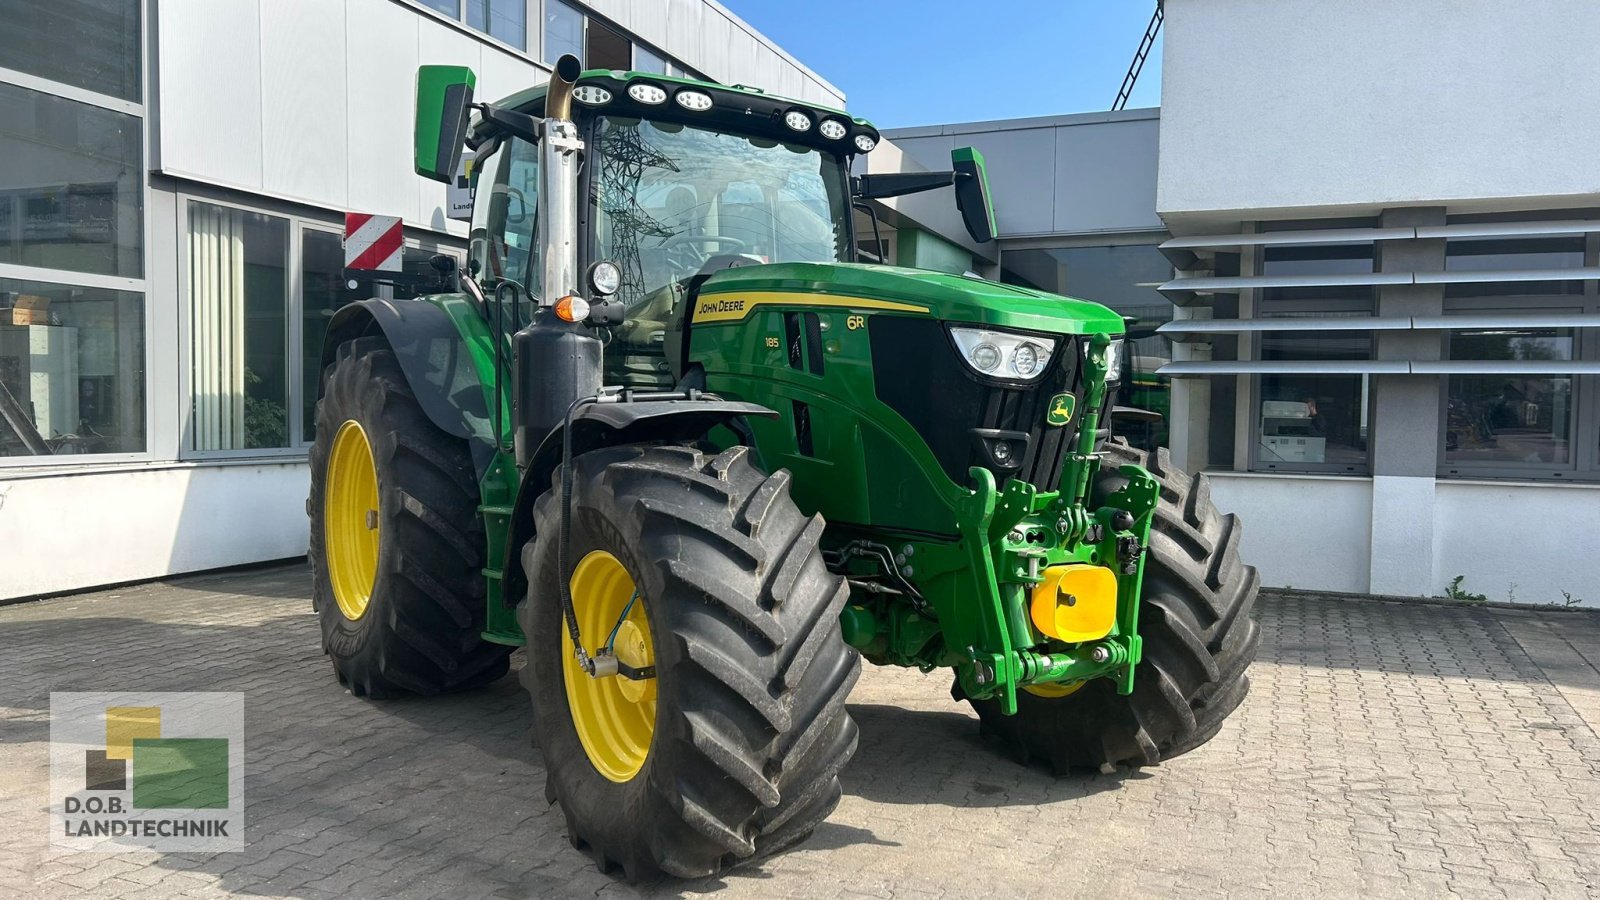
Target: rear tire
x=750, y=727
x=1199, y=638
x=420, y=631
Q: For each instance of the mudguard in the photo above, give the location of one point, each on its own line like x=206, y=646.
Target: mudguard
x=597, y=425
x=437, y=366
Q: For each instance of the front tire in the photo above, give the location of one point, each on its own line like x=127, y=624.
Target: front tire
x=746, y=721
x=1198, y=633
x=396, y=537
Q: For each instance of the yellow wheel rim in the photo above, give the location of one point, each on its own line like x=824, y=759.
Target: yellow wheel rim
x=1054, y=689
x=350, y=520
x=615, y=717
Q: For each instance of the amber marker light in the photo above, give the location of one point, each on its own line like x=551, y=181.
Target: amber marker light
x=572, y=309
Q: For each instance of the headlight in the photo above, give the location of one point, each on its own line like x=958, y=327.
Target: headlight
x=832, y=129
x=797, y=120
x=605, y=277
x=1000, y=354
x=1114, y=360
x=865, y=142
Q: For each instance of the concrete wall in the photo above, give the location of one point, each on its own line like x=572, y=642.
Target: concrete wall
x=311, y=100
x=1059, y=174
x=1405, y=536
x=129, y=523
x=1272, y=104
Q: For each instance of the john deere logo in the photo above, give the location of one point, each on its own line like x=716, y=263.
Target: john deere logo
x=1061, y=406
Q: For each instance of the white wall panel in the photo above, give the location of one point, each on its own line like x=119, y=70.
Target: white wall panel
x=381, y=72
x=1497, y=536
x=304, y=140
x=647, y=19
x=1325, y=550
x=716, y=35
x=162, y=522
x=1403, y=521
x=210, y=83
x=685, y=27
x=1282, y=104
x=503, y=74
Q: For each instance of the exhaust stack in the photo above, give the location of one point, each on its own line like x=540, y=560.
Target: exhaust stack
x=556, y=362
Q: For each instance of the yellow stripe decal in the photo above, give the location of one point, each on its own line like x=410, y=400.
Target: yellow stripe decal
x=731, y=307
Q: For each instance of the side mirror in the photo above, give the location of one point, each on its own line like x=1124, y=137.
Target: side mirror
x=444, y=98
x=972, y=193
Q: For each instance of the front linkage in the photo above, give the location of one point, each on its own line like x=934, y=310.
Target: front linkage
x=1029, y=562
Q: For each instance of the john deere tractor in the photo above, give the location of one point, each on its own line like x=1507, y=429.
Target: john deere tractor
x=662, y=430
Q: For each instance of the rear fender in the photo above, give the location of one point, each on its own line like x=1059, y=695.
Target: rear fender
x=597, y=425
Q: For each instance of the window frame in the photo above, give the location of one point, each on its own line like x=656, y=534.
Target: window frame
x=139, y=285
x=292, y=344
x=1584, y=456
x=1294, y=308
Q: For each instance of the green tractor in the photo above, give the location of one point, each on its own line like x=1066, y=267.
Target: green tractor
x=663, y=432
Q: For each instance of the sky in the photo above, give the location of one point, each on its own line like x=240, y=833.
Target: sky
x=929, y=62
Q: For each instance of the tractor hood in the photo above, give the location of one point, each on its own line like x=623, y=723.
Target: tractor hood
x=732, y=293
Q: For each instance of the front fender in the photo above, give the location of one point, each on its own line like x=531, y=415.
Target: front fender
x=439, y=351
x=597, y=425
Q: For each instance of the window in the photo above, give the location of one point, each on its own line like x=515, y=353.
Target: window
x=607, y=48
x=1512, y=255
x=670, y=198
x=89, y=44
x=563, y=31
x=644, y=60
x=1510, y=419
x=451, y=8
x=503, y=216
x=71, y=191
x=503, y=20
x=324, y=289
x=238, y=304
x=1313, y=422
x=71, y=369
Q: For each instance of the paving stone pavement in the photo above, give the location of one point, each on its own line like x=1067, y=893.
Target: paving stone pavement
x=1385, y=750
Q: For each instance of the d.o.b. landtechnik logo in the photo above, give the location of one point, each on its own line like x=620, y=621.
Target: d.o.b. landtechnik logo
x=147, y=771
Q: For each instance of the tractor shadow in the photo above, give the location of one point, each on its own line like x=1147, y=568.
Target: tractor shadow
x=938, y=758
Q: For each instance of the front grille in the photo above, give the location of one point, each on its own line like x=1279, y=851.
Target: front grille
x=919, y=373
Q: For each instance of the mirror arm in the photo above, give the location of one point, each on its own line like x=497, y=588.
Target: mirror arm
x=505, y=121
x=895, y=184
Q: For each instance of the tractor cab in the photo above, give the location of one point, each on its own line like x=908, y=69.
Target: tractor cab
x=680, y=179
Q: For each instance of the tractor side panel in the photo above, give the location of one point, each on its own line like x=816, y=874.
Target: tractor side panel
x=854, y=459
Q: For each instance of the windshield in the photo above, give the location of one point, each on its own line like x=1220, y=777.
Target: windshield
x=671, y=197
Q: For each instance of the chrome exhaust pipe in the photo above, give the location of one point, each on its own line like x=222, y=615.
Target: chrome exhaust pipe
x=558, y=189
x=558, y=100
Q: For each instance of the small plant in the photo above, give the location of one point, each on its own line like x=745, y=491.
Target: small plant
x=1456, y=592
x=1511, y=592
x=1568, y=601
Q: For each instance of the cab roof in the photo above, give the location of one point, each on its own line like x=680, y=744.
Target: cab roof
x=737, y=108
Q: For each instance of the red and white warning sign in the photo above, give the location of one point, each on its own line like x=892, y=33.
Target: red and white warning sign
x=373, y=243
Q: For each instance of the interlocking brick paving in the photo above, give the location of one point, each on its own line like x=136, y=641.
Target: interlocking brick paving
x=1386, y=750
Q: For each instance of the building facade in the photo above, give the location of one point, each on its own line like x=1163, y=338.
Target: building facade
x=173, y=179
x=1368, y=235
